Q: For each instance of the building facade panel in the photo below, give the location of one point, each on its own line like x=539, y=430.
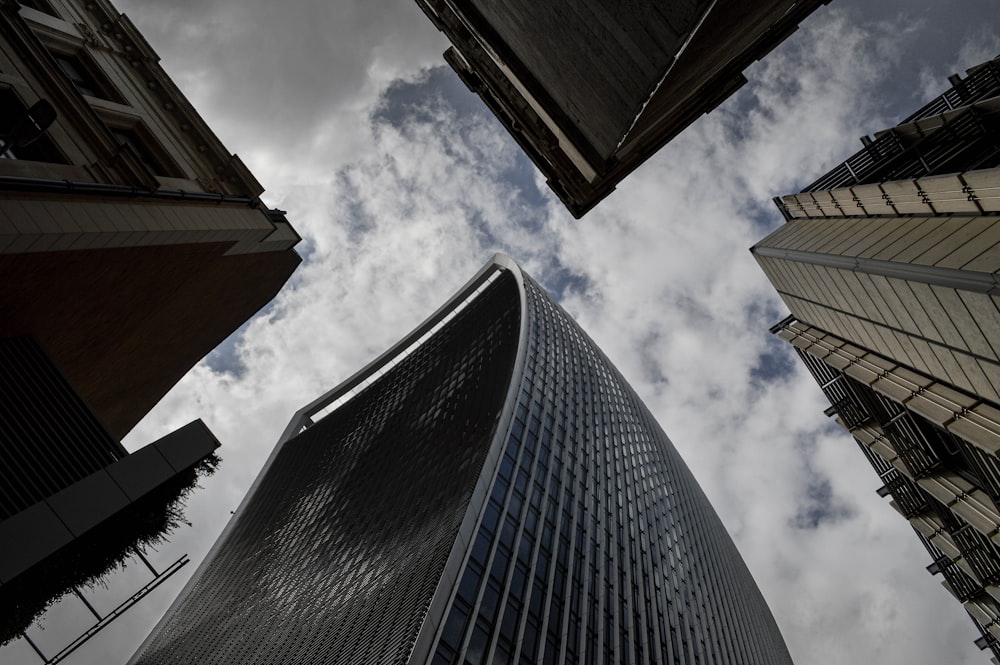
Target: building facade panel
x=888, y=265
x=622, y=54
x=336, y=555
x=588, y=542
x=912, y=296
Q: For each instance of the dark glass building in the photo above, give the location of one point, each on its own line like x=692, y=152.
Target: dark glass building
x=489, y=490
x=889, y=264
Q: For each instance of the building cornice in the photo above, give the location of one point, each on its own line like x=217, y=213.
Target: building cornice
x=225, y=171
x=114, y=161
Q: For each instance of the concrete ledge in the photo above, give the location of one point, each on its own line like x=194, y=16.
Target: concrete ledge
x=185, y=447
x=44, y=528
x=135, y=474
x=88, y=502
x=28, y=537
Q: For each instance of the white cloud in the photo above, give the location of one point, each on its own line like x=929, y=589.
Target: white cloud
x=284, y=83
x=979, y=44
x=399, y=215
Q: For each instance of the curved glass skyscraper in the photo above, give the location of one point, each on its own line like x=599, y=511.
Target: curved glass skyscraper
x=489, y=490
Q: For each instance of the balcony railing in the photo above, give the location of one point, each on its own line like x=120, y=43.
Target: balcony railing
x=855, y=403
x=822, y=372
x=911, y=444
x=964, y=587
x=855, y=169
x=980, y=553
x=880, y=465
x=910, y=499
x=986, y=641
x=980, y=84
x=887, y=157
x=984, y=467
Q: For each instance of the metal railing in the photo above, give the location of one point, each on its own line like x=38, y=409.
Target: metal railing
x=912, y=445
x=910, y=499
x=963, y=586
x=980, y=84
x=103, y=621
x=979, y=552
x=889, y=157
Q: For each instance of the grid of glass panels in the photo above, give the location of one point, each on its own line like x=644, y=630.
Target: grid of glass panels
x=336, y=555
x=595, y=544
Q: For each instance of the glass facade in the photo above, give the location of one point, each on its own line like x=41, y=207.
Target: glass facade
x=336, y=554
x=596, y=544
x=587, y=539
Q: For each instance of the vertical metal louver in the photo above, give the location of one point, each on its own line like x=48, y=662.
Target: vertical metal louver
x=49, y=437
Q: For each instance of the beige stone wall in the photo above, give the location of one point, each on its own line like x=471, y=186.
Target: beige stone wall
x=921, y=290
x=970, y=192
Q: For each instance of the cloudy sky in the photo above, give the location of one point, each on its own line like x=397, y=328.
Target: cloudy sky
x=402, y=185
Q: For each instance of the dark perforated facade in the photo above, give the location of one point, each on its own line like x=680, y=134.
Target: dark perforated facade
x=336, y=556
x=499, y=495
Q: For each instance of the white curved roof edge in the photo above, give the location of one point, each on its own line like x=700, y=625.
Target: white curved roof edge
x=342, y=393
x=304, y=415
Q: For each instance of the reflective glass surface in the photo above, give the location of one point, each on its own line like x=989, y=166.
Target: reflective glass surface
x=596, y=544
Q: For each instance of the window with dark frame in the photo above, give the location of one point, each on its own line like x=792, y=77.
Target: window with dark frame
x=133, y=138
x=85, y=76
x=42, y=149
x=39, y=5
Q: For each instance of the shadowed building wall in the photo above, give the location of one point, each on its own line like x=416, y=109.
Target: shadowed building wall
x=131, y=241
x=592, y=90
x=489, y=490
x=131, y=244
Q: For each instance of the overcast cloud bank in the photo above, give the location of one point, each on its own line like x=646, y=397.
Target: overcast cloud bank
x=402, y=185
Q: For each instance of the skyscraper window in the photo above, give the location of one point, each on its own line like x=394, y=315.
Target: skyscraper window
x=499, y=495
